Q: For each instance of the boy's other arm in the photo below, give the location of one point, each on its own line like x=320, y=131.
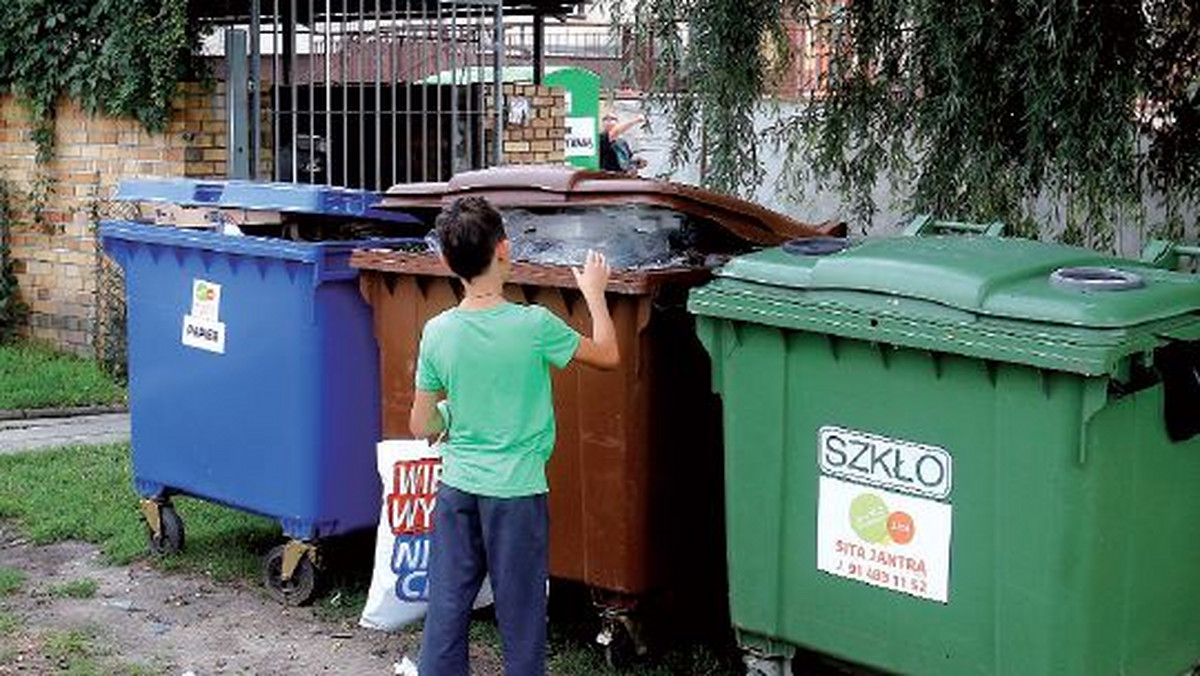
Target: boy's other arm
x=600, y=350
x=425, y=420
x=618, y=129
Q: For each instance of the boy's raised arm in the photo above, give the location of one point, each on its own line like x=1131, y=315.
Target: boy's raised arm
x=600, y=350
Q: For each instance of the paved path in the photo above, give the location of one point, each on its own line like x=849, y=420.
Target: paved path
x=33, y=433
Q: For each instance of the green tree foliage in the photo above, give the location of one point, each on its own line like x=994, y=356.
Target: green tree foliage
x=973, y=108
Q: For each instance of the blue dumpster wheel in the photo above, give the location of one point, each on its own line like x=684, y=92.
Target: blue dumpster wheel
x=170, y=537
x=296, y=591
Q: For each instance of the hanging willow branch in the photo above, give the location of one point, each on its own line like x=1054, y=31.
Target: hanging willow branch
x=974, y=108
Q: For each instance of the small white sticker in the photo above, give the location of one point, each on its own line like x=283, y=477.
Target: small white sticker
x=203, y=334
x=903, y=466
x=206, y=300
x=884, y=539
x=581, y=137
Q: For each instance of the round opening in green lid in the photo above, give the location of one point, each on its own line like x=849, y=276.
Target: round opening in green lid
x=1087, y=278
x=816, y=246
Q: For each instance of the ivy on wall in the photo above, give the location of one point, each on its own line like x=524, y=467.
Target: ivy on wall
x=12, y=309
x=119, y=58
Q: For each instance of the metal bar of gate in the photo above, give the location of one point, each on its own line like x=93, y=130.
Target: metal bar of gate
x=392, y=80
x=362, y=94
x=439, y=87
x=454, y=37
x=328, y=93
x=497, y=82
x=343, y=29
x=409, y=152
x=291, y=70
x=425, y=60
x=256, y=85
x=378, y=99
x=312, y=93
x=275, y=89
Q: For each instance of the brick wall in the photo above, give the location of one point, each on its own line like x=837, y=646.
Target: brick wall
x=55, y=263
x=542, y=137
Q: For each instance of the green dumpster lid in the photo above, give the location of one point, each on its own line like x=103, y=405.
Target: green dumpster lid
x=1014, y=300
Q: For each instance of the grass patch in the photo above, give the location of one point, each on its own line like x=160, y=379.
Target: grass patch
x=65, y=646
x=8, y=623
x=37, y=376
x=86, y=493
x=11, y=580
x=73, y=653
x=84, y=588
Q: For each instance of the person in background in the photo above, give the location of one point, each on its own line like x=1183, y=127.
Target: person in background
x=615, y=153
x=483, y=376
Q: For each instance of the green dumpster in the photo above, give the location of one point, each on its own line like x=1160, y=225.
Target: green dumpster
x=959, y=456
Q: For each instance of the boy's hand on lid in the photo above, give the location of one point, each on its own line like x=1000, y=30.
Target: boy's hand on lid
x=593, y=278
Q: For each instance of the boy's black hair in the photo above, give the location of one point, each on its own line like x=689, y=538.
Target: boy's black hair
x=469, y=228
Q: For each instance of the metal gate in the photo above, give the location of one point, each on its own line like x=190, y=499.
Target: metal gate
x=369, y=93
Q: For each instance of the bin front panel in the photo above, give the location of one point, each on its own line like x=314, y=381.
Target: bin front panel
x=283, y=422
x=635, y=469
x=1071, y=547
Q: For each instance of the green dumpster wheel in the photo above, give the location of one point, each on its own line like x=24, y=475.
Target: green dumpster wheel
x=296, y=591
x=170, y=537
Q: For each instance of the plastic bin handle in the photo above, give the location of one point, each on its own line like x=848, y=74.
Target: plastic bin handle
x=925, y=224
x=1166, y=254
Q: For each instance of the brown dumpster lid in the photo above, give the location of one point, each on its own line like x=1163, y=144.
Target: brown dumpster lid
x=634, y=282
x=558, y=186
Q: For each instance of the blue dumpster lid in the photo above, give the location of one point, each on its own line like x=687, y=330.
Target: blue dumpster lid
x=121, y=239
x=1008, y=299
x=186, y=192
x=299, y=198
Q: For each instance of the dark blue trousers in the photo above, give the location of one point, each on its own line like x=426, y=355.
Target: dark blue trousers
x=506, y=538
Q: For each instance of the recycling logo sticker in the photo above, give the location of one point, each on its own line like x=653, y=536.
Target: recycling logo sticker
x=884, y=514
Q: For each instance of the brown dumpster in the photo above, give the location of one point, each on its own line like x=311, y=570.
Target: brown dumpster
x=636, y=507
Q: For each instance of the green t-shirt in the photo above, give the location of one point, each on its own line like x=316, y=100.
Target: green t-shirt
x=494, y=365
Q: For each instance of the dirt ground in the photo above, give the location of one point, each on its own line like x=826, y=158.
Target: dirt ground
x=143, y=621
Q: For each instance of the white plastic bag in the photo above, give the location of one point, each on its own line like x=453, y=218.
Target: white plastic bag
x=411, y=471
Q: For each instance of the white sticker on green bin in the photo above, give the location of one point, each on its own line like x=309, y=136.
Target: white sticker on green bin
x=206, y=300
x=884, y=539
x=871, y=532
x=581, y=137
x=866, y=458
x=203, y=334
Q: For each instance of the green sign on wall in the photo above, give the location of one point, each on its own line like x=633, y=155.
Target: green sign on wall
x=582, y=88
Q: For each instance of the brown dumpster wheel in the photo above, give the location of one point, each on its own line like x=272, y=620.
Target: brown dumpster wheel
x=620, y=651
x=296, y=591
x=170, y=537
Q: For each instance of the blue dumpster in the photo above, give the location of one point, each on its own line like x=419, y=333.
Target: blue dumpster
x=253, y=374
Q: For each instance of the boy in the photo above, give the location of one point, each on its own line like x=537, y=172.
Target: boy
x=491, y=359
